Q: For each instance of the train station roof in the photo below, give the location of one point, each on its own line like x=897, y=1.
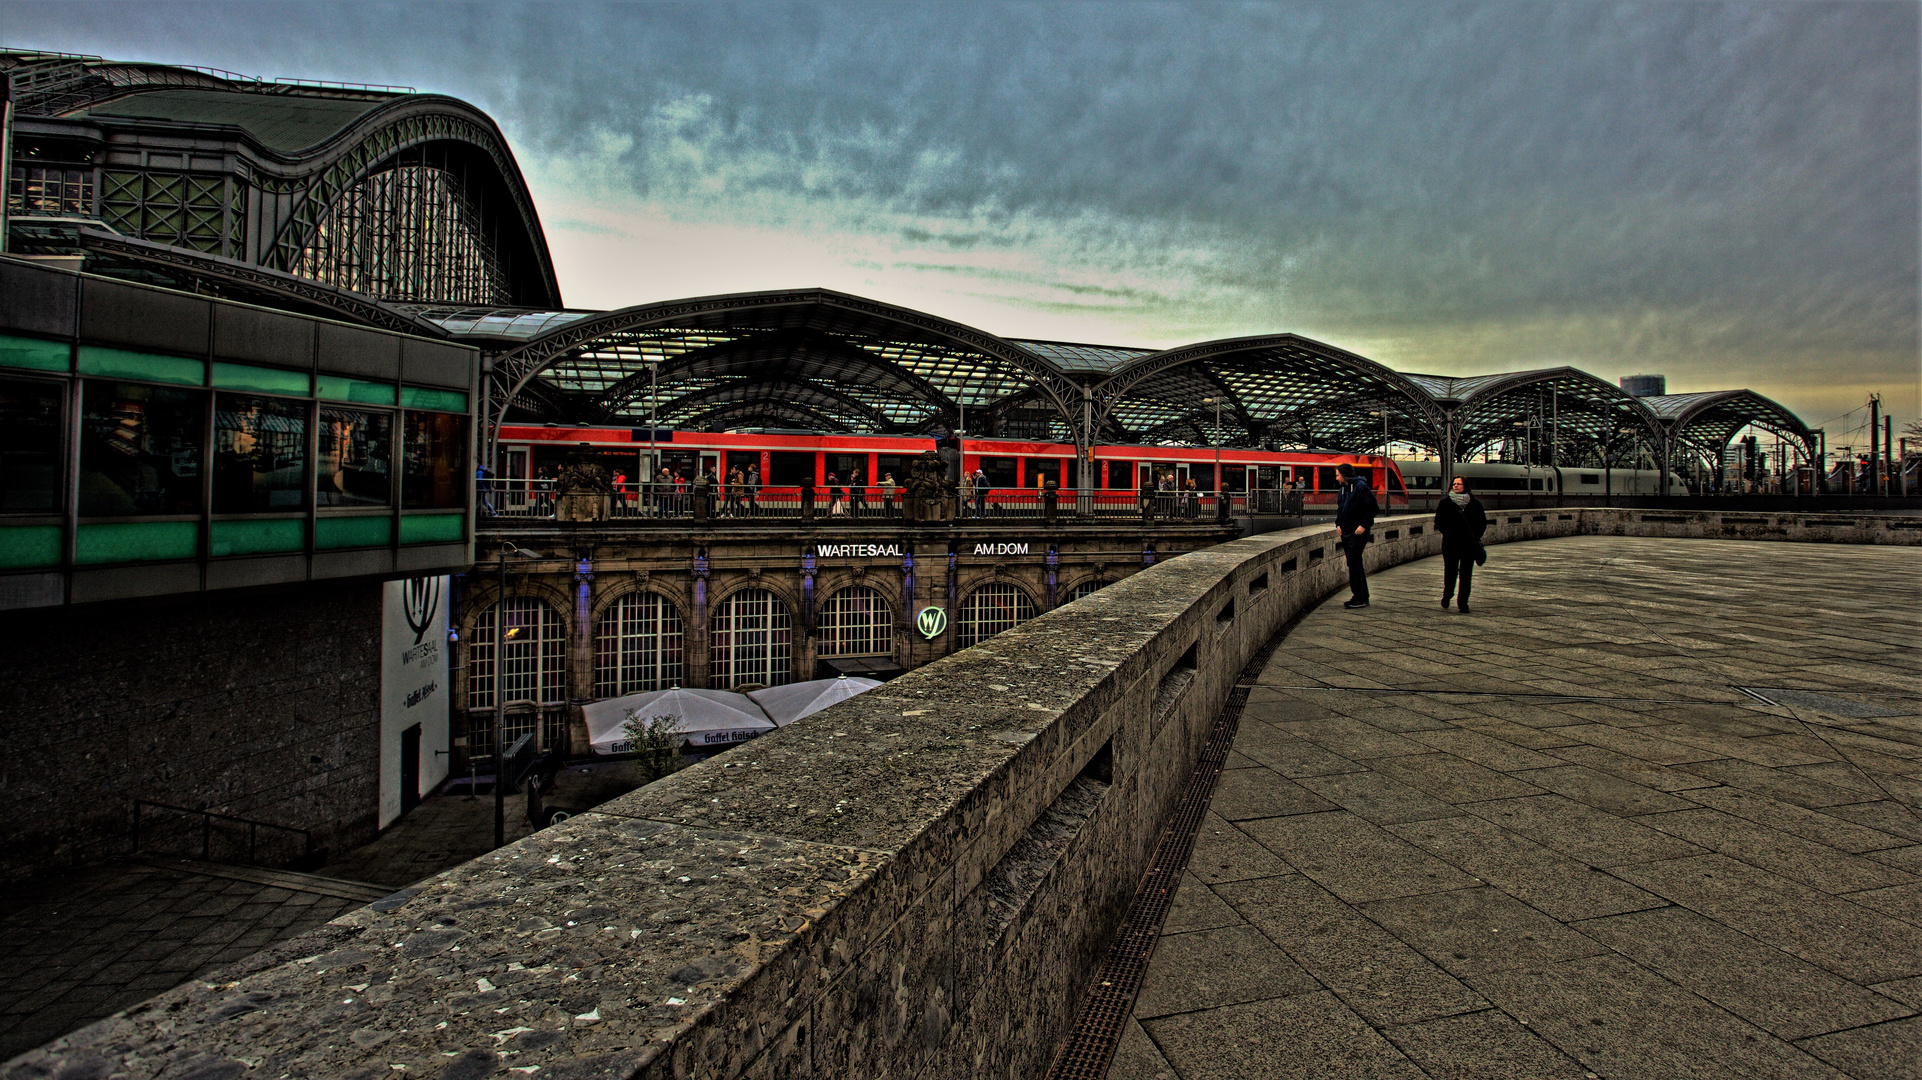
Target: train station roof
x=828, y=361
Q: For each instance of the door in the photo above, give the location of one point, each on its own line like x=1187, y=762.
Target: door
x=410, y=768
x=515, y=495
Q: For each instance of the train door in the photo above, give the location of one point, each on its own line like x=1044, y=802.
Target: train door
x=710, y=463
x=514, y=480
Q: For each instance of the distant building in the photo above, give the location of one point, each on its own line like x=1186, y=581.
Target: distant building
x=1644, y=385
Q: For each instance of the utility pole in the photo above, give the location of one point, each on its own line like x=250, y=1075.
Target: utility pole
x=1888, y=449
x=1875, y=452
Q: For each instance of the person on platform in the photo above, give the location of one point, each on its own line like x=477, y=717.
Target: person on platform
x=1461, y=521
x=837, y=502
x=857, y=492
x=979, y=480
x=887, y=494
x=1354, y=518
x=753, y=489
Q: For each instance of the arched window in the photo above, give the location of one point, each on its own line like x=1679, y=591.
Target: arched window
x=1086, y=588
x=857, y=622
x=991, y=609
x=638, y=645
x=750, y=640
x=536, y=665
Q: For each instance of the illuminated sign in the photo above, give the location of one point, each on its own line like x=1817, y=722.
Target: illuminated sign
x=1001, y=549
x=931, y=622
x=856, y=551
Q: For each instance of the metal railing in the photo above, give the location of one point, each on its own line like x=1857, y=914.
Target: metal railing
x=537, y=500
x=225, y=827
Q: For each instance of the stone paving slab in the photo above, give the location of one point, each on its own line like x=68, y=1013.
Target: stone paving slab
x=1553, y=839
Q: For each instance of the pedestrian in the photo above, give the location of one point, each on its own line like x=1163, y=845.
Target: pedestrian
x=735, y=480
x=980, y=481
x=887, y=494
x=836, y=505
x=1354, y=517
x=858, y=491
x=1461, y=521
x=620, y=492
x=753, y=489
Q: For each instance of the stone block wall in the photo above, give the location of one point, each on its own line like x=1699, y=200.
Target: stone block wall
x=916, y=883
x=263, y=704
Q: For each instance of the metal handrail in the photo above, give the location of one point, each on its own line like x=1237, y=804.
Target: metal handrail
x=207, y=818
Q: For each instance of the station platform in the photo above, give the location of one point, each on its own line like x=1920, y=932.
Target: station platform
x=1649, y=811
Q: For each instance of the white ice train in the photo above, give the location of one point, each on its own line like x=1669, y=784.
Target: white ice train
x=1424, y=477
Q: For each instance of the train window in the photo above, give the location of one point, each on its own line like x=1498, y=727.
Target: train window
x=1038, y=471
x=1001, y=472
x=1121, y=475
x=1325, y=478
x=1394, y=482
x=1534, y=484
x=1234, y=477
x=1591, y=478
x=787, y=468
x=742, y=460
x=1203, y=476
x=895, y=465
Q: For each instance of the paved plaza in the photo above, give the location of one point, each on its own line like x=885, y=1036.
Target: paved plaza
x=1554, y=839
x=84, y=945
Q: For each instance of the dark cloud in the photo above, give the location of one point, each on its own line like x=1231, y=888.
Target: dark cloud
x=1724, y=180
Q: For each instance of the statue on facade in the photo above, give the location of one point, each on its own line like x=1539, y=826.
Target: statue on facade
x=585, y=491
x=930, y=493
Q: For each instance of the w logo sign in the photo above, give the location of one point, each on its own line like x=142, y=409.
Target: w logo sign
x=420, y=601
x=931, y=622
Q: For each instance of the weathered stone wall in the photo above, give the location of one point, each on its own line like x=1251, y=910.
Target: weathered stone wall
x=264, y=705
x=914, y=883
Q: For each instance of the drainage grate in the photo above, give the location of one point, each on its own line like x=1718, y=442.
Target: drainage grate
x=1104, y=1012
x=1828, y=703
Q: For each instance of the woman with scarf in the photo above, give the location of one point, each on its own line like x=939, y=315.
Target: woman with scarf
x=1461, y=521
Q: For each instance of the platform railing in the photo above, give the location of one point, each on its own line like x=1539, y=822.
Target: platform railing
x=632, y=503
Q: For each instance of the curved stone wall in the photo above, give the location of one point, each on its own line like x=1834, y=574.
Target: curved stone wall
x=915, y=883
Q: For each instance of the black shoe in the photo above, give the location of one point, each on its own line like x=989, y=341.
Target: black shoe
x=1463, y=609
x=1445, y=601
x=1356, y=604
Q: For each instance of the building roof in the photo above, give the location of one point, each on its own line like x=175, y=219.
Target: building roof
x=286, y=123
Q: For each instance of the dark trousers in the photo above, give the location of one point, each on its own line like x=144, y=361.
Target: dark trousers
x=1353, y=547
x=1453, y=563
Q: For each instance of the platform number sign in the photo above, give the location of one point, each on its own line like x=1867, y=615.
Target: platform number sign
x=931, y=622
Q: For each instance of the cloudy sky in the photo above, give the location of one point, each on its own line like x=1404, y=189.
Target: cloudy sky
x=1727, y=194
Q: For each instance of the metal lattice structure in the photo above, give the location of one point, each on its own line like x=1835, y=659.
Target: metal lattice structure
x=378, y=190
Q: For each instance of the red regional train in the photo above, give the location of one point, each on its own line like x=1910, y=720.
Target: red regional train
x=788, y=459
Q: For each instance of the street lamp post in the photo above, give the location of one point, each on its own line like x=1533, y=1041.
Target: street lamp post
x=500, y=695
x=1216, y=402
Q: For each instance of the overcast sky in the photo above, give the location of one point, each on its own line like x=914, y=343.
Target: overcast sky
x=1726, y=194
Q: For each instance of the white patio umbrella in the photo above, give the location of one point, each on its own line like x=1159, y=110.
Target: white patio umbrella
x=702, y=718
x=786, y=704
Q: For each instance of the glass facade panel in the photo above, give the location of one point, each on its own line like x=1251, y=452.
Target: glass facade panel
x=416, y=397
x=346, y=532
x=137, y=541
x=24, y=352
x=356, y=462
x=30, y=447
x=434, y=461
x=433, y=528
x=255, y=537
x=25, y=547
x=991, y=609
x=536, y=650
x=343, y=388
x=140, y=449
x=638, y=646
x=265, y=380
x=750, y=640
x=150, y=367
x=260, y=454
x=857, y=622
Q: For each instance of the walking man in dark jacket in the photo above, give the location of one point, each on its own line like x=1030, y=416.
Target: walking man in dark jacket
x=1461, y=521
x=1354, y=518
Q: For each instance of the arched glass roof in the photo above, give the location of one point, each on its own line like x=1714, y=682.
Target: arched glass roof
x=834, y=362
